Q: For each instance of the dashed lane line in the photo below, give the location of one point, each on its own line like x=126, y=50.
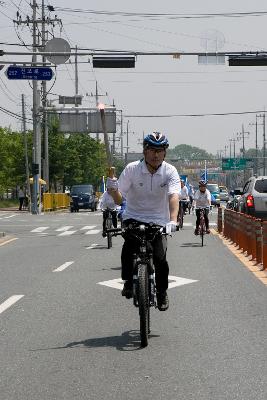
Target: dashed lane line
x=9, y=302
x=63, y=266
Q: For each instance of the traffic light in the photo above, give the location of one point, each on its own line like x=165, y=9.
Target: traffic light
x=114, y=62
x=247, y=60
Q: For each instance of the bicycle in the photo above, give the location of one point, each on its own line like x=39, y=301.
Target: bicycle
x=144, y=289
x=108, y=225
x=180, y=219
x=202, y=224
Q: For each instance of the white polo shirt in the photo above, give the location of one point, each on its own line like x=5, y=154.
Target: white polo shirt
x=202, y=199
x=106, y=201
x=147, y=195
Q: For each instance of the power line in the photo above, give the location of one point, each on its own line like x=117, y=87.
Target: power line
x=166, y=15
x=194, y=115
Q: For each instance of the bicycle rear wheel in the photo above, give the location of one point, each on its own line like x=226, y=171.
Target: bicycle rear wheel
x=202, y=228
x=181, y=219
x=143, y=302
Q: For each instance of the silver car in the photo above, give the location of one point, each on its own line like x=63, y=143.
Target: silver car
x=253, y=201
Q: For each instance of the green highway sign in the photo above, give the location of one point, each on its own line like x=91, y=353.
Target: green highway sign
x=234, y=164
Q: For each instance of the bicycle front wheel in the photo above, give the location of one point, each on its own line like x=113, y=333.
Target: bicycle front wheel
x=109, y=236
x=143, y=301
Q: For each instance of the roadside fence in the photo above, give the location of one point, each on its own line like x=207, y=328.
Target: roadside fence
x=248, y=233
x=55, y=201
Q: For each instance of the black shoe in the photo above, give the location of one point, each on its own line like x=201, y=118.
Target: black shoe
x=127, y=290
x=104, y=234
x=196, y=232
x=163, y=301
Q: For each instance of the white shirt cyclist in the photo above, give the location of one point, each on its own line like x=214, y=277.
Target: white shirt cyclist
x=106, y=201
x=202, y=199
x=147, y=195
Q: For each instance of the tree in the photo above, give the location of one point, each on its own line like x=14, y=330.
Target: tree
x=187, y=152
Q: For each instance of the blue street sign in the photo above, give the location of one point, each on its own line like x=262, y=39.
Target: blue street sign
x=30, y=73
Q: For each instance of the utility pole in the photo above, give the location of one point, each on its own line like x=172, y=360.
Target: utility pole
x=44, y=104
x=26, y=151
x=36, y=150
x=256, y=145
x=243, y=137
x=36, y=123
x=127, y=141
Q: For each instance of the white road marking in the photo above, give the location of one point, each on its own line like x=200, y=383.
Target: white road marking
x=92, y=232
x=64, y=228
x=10, y=216
x=40, y=229
x=174, y=281
x=98, y=214
x=67, y=233
x=10, y=301
x=8, y=241
x=63, y=266
x=87, y=227
x=93, y=246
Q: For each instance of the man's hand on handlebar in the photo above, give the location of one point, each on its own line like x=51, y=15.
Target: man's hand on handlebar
x=171, y=227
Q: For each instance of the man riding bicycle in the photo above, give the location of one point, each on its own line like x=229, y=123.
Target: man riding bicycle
x=107, y=205
x=183, y=196
x=151, y=188
x=202, y=199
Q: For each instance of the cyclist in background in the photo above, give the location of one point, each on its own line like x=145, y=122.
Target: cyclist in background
x=183, y=196
x=151, y=188
x=107, y=205
x=202, y=199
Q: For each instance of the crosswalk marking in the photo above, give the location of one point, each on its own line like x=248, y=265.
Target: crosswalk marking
x=10, y=216
x=67, y=233
x=92, y=232
x=88, y=227
x=10, y=301
x=63, y=266
x=40, y=229
x=64, y=228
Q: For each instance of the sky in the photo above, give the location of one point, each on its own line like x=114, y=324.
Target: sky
x=161, y=87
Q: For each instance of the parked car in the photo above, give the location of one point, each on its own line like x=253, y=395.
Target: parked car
x=224, y=195
x=83, y=197
x=215, y=191
x=253, y=201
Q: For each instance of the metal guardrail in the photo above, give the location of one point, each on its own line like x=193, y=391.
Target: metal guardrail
x=247, y=232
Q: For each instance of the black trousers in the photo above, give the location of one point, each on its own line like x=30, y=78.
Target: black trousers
x=114, y=218
x=205, y=216
x=21, y=199
x=159, y=248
